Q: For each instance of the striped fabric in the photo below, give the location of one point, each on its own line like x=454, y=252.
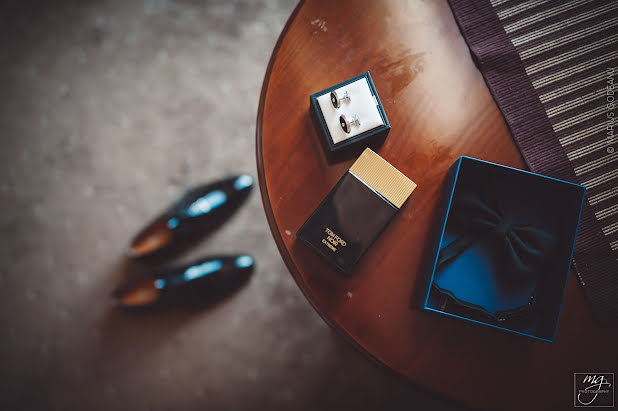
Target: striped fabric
x=551, y=66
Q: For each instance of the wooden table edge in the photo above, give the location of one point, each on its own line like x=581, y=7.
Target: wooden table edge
x=275, y=229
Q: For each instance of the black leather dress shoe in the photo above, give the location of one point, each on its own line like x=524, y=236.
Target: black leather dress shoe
x=200, y=283
x=199, y=211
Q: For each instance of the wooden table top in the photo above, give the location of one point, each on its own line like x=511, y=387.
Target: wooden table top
x=439, y=108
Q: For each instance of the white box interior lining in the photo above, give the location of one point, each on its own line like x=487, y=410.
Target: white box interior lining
x=362, y=103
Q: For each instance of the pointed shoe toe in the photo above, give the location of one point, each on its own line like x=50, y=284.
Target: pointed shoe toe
x=200, y=210
x=199, y=283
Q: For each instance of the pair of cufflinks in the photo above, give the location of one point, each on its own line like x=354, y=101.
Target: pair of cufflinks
x=346, y=124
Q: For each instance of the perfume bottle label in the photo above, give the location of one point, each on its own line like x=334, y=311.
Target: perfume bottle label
x=332, y=240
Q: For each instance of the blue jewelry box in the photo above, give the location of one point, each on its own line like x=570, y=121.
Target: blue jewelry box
x=503, y=246
x=349, y=117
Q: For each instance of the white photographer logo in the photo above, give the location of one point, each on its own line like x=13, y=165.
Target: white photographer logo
x=594, y=390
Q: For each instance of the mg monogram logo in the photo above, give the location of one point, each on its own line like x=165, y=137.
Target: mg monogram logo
x=594, y=389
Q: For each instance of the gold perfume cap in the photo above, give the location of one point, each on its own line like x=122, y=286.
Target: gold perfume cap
x=385, y=179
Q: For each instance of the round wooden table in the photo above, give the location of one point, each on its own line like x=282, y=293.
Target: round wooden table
x=439, y=108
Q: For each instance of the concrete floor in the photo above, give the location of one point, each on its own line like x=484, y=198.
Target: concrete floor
x=110, y=110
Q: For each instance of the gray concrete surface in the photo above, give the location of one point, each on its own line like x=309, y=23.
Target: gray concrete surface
x=109, y=110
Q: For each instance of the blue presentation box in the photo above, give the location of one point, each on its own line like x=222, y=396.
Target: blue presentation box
x=356, y=143
x=503, y=247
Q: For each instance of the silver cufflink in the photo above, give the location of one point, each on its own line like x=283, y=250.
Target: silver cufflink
x=346, y=124
x=336, y=100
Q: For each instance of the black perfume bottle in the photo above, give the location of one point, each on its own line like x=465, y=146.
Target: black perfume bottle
x=356, y=211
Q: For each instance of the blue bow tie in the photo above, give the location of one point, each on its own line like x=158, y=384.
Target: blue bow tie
x=524, y=246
